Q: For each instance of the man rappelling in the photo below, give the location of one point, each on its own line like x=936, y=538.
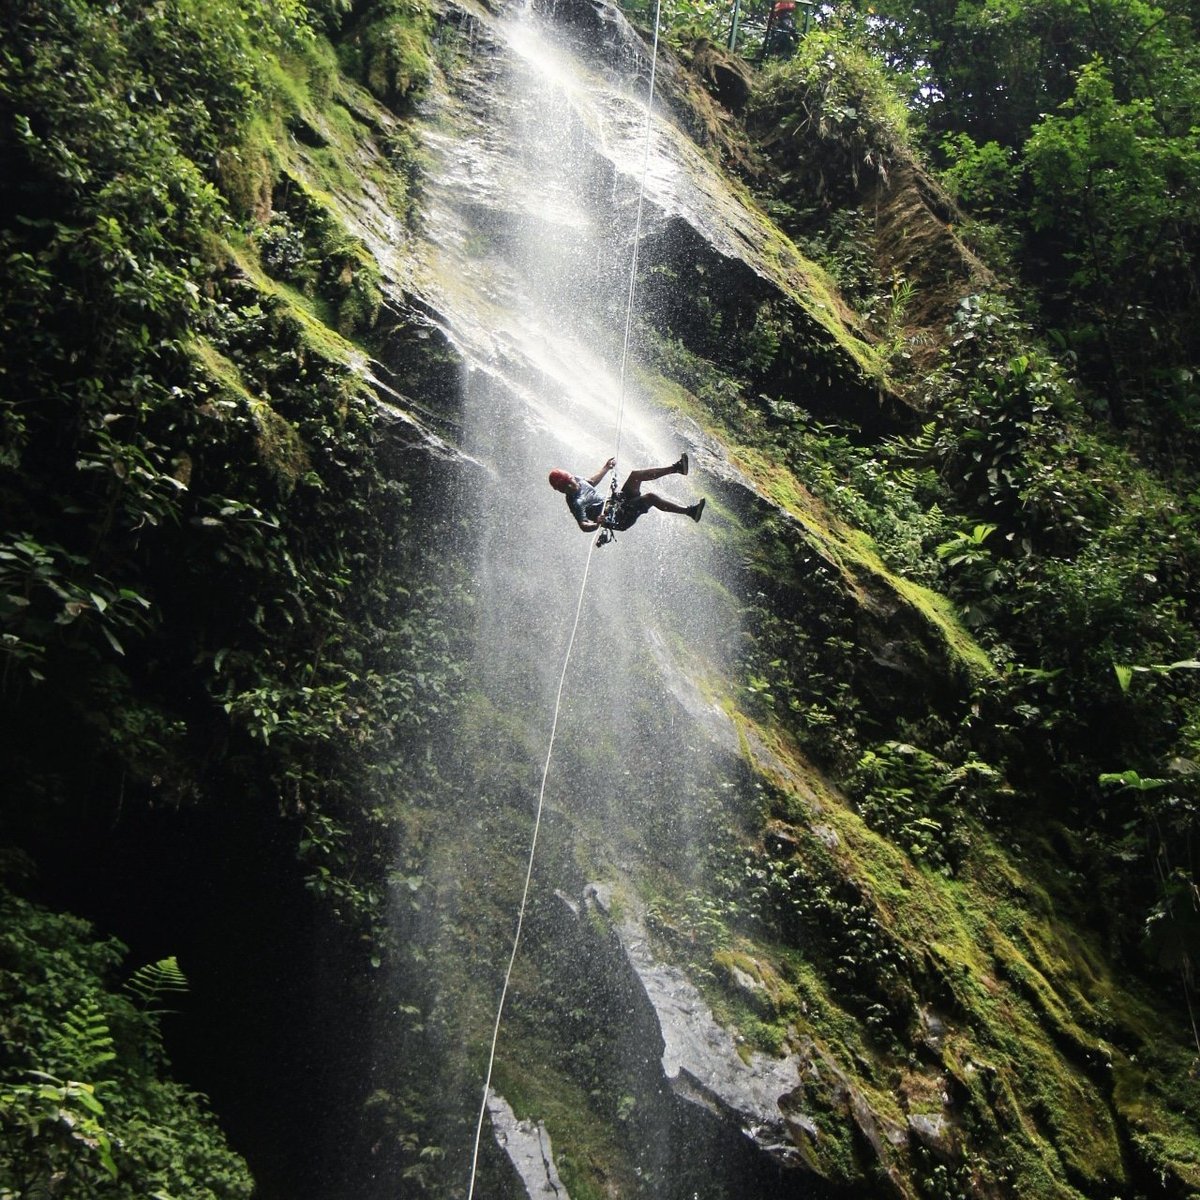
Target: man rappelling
x=593, y=511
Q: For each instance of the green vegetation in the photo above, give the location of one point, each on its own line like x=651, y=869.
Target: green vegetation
x=1055, y=518
x=194, y=421
x=203, y=556
x=86, y=1107
x=1088, y=148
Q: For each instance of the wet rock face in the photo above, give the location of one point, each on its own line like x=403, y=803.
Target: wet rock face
x=708, y=1115
x=704, y=1116
x=708, y=260
x=601, y=31
x=700, y=1059
x=521, y=251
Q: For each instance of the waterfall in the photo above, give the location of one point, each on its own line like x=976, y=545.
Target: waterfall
x=535, y=252
x=549, y=397
x=530, y=207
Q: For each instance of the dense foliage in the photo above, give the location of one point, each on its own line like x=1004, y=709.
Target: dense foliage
x=1047, y=483
x=84, y=1107
x=1075, y=127
x=173, y=434
x=1045, y=479
x=202, y=556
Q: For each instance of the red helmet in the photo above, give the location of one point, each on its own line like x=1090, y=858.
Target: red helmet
x=560, y=479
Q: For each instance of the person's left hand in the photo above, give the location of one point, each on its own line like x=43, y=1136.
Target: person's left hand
x=612, y=462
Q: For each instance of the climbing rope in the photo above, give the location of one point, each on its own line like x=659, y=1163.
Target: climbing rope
x=537, y=824
x=637, y=243
x=562, y=679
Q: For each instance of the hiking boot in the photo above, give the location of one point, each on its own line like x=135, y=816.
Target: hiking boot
x=681, y=467
x=696, y=509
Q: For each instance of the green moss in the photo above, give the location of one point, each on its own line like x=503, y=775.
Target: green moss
x=850, y=552
x=853, y=554
x=246, y=172
x=1165, y=1129
x=811, y=288
x=1024, y=999
x=942, y=614
x=329, y=266
x=392, y=52
x=776, y=995
x=1017, y=1044
x=221, y=371
x=311, y=319
x=829, y=1147
x=280, y=447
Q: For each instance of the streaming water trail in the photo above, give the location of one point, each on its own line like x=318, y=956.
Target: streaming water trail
x=629, y=308
x=535, y=218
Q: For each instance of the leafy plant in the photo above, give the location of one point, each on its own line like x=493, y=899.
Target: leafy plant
x=61, y=1136
x=977, y=573
x=83, y=1044
x=982, y=177
x=1126, y=673
x=1117, y=191
x=830, y=118
x=922, y=803
x=153, y=982
x=86, y=1107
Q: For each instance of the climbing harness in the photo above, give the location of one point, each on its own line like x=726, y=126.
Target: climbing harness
x=606, y=535
x=611, y=517
x=611, y=513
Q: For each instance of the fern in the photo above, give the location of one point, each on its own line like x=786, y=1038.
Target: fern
x=151, y=982
x=913, y=448
x=84, y=1043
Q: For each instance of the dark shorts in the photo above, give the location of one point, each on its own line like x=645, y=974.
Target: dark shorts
x=625, y=510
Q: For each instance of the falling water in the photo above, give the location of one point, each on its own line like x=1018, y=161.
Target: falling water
x=530, y=207
x=536, y=236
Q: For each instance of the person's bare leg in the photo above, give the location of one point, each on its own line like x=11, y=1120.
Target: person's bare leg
x=633, y=484
x=656, y=501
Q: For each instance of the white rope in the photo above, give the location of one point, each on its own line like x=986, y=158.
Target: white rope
x=537, y=824
x=562, y=679
x=637, y=232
